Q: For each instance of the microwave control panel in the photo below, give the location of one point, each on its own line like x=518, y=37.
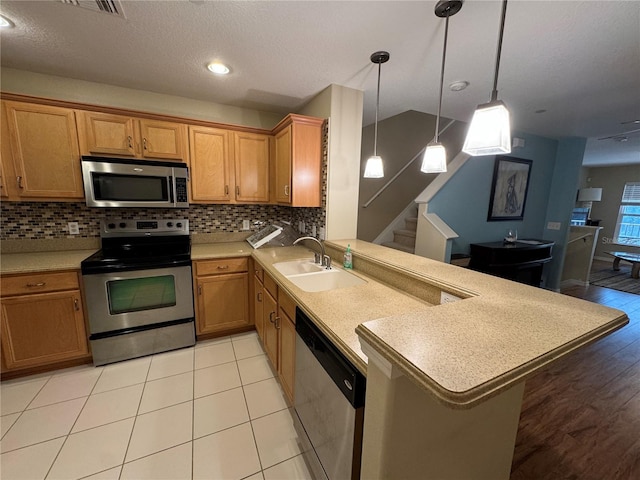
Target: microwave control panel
x=181, y=190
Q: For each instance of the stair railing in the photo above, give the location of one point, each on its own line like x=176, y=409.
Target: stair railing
x=393, y=179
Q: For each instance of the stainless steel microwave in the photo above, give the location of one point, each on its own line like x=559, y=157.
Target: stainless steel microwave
x=119, y=182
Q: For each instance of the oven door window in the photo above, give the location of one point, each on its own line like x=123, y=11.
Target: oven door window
x=115, y=187
x=137, y=294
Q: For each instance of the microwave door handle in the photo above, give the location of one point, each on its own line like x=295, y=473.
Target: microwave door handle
x=171, y=189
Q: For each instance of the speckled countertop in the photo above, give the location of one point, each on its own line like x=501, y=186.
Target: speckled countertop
x=467, y=351
x=462, y=352
x=42, y=261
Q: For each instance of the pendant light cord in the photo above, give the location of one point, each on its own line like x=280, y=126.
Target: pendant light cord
x=494, y=93
x=444, y=56
x=375, y=130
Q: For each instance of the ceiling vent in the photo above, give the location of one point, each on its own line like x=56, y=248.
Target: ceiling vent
x=112, y=7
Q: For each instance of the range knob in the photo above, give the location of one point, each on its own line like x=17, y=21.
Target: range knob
x=169, y=224
x=122, y=224
x=111, y=226
x=179, y=224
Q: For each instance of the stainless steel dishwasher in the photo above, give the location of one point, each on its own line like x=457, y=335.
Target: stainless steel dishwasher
x=329, y=401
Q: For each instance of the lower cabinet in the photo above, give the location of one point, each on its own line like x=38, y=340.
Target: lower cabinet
x=279, y=337
x=222, y=295
x=42, y=320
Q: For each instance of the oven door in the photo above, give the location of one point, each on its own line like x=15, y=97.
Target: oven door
x=126, y=300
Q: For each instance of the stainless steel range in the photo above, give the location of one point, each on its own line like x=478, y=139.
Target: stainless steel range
x=139, y=290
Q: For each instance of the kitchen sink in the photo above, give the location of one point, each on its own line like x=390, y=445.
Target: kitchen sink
x=324, y=280
x=296, y=267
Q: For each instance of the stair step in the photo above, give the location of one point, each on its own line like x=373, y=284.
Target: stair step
x=405, y=237
x=411, y=223
x=399, y=246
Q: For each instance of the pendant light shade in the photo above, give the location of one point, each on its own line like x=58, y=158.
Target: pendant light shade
x=435, y=155
x=374, y=167
x=490, y=129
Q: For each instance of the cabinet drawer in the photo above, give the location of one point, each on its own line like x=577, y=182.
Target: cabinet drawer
x=38, y=283
x=287, y=304
x=222, y=266
x=271, y=285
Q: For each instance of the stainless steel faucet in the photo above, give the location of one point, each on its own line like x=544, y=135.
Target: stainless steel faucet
x=320, y=258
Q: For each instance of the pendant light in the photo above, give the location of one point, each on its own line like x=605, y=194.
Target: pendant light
x=374, y=167
x=435, y=155
x=490, y=131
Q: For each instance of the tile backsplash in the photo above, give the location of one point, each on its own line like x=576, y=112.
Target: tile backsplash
x=48, y=220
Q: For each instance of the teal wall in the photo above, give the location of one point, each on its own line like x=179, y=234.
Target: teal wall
x=464, y=201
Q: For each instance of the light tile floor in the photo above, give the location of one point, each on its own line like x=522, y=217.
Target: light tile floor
x=213, y=411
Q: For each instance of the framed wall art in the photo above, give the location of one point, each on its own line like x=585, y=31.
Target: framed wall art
x=509, y=188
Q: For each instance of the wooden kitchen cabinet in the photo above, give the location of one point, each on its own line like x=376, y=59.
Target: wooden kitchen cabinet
x=251, y=158
x=44, y=161
x=222, y=292
x=209, y=162
x=42, y=320
x=228, y=166
x=279, y=332
x=258, y=302
x=298, y=161
x=287, y=346
x=109, y=134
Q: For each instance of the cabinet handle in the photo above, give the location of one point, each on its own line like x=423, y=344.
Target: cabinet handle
x=223, y=267
x=226, y=189
x=237, y=189
x=260, y=296
x=39, y=284
x=144, y=143
x=19, y=179
x=271, y=314
x=199, y=289
x=130, y=141
x=76, y=304
x=277, y=323
x=286, y=190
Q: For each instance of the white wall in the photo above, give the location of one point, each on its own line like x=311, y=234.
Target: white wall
x=61, y=88
x=343, y=107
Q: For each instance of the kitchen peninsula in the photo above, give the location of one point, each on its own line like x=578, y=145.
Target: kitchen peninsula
x=444, y=380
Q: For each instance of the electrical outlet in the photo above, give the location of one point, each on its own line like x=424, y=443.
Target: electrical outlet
x=74, y=228
x=553, y=226
x=447, y=298
x=246, y=225
x=321, y=233
x=313, y=230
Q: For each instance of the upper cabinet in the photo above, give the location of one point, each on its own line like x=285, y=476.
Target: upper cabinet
x=228, y=166
x=298, y=161
x=108, y=134
x=45, y=159
x=251, y=158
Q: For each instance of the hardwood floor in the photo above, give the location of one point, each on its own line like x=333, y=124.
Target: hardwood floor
x=580, y=417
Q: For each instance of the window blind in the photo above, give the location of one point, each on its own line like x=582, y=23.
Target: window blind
x=631, y=193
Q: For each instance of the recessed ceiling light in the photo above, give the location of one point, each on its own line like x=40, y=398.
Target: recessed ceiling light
x=458, y=86
x=542, y=110
x=218, y=68
x=5, y=22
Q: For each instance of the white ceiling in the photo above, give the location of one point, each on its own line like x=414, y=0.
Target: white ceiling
x=578, y=60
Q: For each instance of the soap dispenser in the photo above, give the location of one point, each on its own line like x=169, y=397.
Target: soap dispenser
x=348, y=261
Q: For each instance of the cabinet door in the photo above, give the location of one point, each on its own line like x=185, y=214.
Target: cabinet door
x=45, y=152
x=106, y=133
x=258, y=303
x=270, y=339
x=40, y=329
x=287, y=356
x=251, y=155
x=209, y=160
x=306, y=159
x=283, y=166
x=166, y=140
x=223, y=302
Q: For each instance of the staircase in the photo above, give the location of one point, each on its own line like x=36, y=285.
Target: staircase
x=405, y=239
